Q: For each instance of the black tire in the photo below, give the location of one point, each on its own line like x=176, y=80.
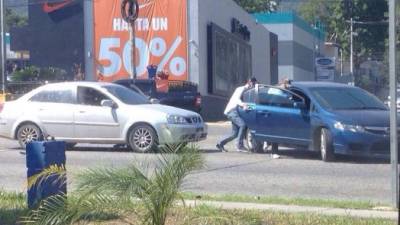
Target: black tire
x=252, y=144
x=143, y=138
x=326, y=145
x=274, y=148
x=27, y=133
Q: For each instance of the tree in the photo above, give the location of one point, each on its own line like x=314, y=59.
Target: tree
x=369, y=26
x=13, y=19
x=253, y=6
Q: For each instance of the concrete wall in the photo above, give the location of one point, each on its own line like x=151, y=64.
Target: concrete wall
x=296, y=51
x=295, y=73
x=220, y=12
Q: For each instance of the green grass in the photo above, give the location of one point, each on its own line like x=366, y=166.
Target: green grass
x=210, y=215
x=286, y=201
x=13, y=206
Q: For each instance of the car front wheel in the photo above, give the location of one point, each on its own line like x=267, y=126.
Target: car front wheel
x=142, y=138
x=326, y=146
x=28, y=133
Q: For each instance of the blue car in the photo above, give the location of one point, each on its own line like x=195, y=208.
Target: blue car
x=328, y=118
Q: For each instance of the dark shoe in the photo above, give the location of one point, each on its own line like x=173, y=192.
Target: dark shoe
x=221, y=148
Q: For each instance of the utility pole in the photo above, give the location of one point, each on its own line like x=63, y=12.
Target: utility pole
x=351, y=47
x=132, y=36
x=130, y=12
x=393, y=108
x=3, y=55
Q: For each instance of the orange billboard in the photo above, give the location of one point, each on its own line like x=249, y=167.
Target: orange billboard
x=161, y=39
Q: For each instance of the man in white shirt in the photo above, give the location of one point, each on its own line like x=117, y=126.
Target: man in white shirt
x=231, y=111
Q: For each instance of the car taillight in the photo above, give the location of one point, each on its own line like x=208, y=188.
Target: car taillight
x=198, y=100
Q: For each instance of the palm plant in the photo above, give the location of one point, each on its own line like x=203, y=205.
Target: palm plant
x=155, y=187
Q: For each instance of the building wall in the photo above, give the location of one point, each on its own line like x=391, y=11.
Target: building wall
x=295, y=73
x=49, y=34
x=299, y=44
x=221, y=12
x=201, y=13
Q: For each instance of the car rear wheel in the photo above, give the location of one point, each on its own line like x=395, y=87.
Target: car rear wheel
x=326, y=146
x=28, y=133
x=142, y=138
x=252, y=144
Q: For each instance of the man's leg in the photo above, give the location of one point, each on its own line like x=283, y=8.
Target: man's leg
x=240, y=138
x=234, y=134
x=241, y=127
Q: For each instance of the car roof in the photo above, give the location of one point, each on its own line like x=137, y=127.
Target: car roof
x=135, y=81
x=80, y=83
x=319, y=84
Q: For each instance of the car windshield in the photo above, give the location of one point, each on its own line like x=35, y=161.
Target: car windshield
x=144, y=87
x=126, y=95
x=346, y=99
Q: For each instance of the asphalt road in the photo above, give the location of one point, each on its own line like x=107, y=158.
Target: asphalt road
x=294, y=174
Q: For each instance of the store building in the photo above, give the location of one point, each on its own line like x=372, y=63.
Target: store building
x=299, y=44
x=226, y=46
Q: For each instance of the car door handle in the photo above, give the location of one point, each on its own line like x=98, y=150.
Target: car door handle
x=82, y=111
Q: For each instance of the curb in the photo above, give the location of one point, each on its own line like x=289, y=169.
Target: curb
x=369, y=214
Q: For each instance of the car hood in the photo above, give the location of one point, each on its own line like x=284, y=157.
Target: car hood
x=379, y=118
x=169, y=110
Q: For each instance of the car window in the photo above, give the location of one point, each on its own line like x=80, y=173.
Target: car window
x=146, y=88
x=126, y=95
x=53, y=96
x=301, y=94
x=249, y=96
x=129, y=84
x=274, y=97
x=346, y=98
x=90, y=96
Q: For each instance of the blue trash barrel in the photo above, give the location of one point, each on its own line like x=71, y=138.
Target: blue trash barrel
x=39, y=156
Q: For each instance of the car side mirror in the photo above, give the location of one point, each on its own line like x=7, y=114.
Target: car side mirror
x=109, y=103
x=154, y=101
x=300, y=105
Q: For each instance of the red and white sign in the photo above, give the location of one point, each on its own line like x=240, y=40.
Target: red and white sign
x=161, y=39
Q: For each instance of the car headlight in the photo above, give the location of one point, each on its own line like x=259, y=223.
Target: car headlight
x=174, y=119
x=346, y=127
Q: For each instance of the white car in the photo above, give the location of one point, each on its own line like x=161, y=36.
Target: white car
x=92, y=112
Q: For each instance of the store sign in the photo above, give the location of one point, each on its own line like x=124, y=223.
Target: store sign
x=240, y=29
x=325, y=68
x=161, y=39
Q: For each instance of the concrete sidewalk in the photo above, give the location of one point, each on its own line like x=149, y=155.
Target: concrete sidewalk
x=377, y=214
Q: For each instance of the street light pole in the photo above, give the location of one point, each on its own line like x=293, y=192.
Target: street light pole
x=132, y=36
x=130, y=12
x=351, y=47
x=3, y=55
x=393, y=108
